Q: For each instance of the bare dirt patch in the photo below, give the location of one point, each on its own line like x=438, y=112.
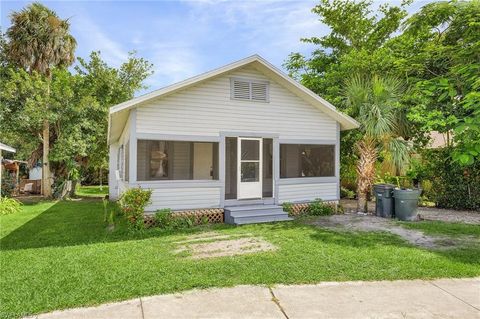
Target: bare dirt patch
x=451, y=216
x=211, y=245
x=209, y=236
x=368, y=223
x=426, y=213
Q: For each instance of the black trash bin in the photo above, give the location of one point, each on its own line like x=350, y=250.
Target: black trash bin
x=383, y=204
x=388, y=202
x=406, y=203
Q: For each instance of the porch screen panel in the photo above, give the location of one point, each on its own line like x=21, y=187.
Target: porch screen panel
x=176, y=160
x=231, y=168
x=307, y=160
x=120, y=161
x=267, y=184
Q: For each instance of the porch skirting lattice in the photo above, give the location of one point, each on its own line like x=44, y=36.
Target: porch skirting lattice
x=302, y=208
x=199, y=216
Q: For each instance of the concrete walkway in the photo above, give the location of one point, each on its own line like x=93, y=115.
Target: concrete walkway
x=444, y=298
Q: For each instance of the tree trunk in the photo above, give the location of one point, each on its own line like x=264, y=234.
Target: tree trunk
x=365, y=172
x=46, y=178
x=100, y=177
x=362, y=203
x=73, y=189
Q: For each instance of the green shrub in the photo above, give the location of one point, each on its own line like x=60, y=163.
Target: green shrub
x=9, y=206
x=133, y=203
x=204, y=220
x=346, y=193
x=287, y=207
x=163, y=218
x=319, y=208
x=166, y=220
x=110, y=218
x=105, y=209
x=447, y=183
x=398, y=181
x=8, y=185
x=183, y=222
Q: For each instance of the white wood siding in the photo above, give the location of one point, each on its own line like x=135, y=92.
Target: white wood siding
x=113, y=191
x=307, y=192
x=124, y=139
x=207, y=109
x=184, y=198
x=122, y=187
x=181, y=158
x=126, y=133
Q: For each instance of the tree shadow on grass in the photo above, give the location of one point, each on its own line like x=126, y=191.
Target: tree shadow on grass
x=339, y=237
x=63, y=224
x=79, y=222
x=75, y=222
x=466, y=254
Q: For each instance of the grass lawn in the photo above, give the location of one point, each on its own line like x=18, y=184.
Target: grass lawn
x=92, y=191
x=440, y=228
x=58, y=255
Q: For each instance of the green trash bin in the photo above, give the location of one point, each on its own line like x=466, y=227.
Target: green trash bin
x=406, y=203
x=383, y=205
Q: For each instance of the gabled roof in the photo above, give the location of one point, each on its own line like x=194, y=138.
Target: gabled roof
x=120, y=113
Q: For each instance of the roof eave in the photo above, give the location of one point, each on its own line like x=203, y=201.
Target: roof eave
x=7, y=148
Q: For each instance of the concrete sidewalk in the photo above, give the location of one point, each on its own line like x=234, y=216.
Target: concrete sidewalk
x=444, y=298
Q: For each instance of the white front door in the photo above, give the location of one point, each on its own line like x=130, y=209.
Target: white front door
x=249, y=181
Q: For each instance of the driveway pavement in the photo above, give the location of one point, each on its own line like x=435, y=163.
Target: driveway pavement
x=444, y=298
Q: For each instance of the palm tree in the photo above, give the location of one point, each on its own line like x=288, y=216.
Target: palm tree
x=374, y=102
x=38, y=42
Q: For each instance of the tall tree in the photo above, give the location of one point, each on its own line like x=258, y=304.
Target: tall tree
x=357, y=32
x=440, y=54
x=375, y=103
x=79, y=102
x=355, y=44
x=38, y=41
x=107, y=86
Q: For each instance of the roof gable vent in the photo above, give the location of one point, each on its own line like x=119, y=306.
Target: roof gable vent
x=259, y=91
x=249, y=90
x=241, y=90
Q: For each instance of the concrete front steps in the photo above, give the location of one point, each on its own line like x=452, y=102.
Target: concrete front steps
x=251, y=214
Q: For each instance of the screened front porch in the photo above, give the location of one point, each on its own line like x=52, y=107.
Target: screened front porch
x=230, y=170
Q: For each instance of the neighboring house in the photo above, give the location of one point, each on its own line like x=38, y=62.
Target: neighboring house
x=440, y=140
x=244, y=137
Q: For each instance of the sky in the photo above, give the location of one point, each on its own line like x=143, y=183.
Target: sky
x=186, y=38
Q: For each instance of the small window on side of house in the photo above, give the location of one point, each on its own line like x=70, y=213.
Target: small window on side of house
x=120, y=161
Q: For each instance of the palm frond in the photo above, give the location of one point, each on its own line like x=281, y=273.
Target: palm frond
x=39, y=40
x=374, y=101
x=399, y=154
x=356, y=93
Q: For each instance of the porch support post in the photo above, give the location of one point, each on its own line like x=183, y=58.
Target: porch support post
x=112, y=167
x=337, y=161
x=132, y=168
x=276, y=168
x=221, y=168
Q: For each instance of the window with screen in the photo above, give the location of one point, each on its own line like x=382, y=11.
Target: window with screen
x=307, y=160
x=176, y=160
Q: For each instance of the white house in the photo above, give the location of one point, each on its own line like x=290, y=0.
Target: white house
x=244, y=137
